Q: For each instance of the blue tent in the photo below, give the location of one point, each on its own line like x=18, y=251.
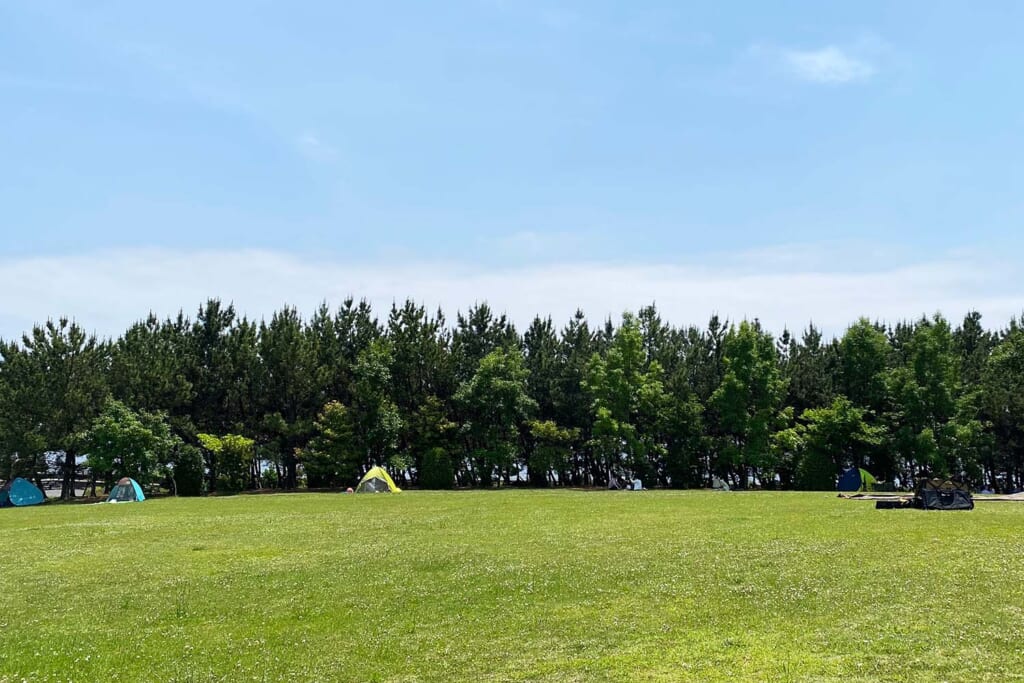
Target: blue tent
x=19, y=492
x=126, y=491
x=856, y=479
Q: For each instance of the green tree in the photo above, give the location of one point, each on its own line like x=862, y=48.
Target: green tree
x=209, y=367
x=837, y=435
x=629, y=403
x=376, y=423
x=231, y=461
x=430, y=428
x=421, y=378
x=923, y=392
x=863, y=362
x=476, y=334
x=571, y=402
x=333, y=457
x=436, y=471
x=186, y=471
x=123, y=443
x=550, y=452
x=149, y=367
x=973, y=344
x=749, y=400
x=288, y=391
x=1003, y=400
x=810, y=371
x=63, y=389
x=495, y=403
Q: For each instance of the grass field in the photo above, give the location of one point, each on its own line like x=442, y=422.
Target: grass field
x=511, y=585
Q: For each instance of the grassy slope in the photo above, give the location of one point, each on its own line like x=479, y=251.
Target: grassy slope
x=511, y=585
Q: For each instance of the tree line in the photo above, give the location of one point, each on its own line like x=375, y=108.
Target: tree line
x=223, y=403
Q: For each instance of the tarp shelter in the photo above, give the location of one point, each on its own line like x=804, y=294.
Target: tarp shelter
x=942, y=494
x=126, y=491
x=856, y=479
x=19, y=492
x=377, y=481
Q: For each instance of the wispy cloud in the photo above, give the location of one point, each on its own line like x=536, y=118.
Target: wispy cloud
x=107, y=291
x=830, y=65
x=314, y=147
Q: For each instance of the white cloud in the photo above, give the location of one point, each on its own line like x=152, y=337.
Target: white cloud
x=830, y=65
x=107, y=291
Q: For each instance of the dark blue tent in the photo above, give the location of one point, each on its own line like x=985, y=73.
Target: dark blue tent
x=20, y=492
x=855, y=479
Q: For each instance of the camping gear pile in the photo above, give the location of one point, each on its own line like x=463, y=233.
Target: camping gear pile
x=942, y=494
x=931, y=494
x=20, y=492
x=620, y=480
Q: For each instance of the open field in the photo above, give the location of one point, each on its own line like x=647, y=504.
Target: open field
x=511, y=585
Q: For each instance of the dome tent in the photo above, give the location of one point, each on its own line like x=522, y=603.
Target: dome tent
x=856, y=479
x=377, y=481
x=126, y=491
x=20, y=492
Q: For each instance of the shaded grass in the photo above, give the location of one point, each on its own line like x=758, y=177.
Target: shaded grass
x=511, y=585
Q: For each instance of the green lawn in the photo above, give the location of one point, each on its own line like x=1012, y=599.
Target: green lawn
x=511, y=585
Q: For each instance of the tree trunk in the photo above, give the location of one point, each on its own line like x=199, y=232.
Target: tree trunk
x=67, y=489
x=292, y=465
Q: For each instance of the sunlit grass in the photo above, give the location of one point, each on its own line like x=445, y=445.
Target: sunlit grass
x=511, y=585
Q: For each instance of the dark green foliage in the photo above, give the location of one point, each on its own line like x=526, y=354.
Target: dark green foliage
x=332, y=458
x=495, y=405
x=321, y=399
x=187, y=471
x=630, y=405
x=550, y=452
x=748, y=402
x=815, y=472
x=55, y=386
x=436, y=472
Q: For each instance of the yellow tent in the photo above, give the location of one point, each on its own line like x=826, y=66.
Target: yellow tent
x=377, y=481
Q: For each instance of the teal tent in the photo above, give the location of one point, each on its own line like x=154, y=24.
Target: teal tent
x=20, y=492
x=126, y=491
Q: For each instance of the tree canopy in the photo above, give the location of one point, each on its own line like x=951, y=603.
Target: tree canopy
x=221, y=403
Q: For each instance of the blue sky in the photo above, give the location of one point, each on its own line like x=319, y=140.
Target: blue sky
x=405, y=148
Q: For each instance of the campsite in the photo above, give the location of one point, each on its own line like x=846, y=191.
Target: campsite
x=511, y=585
x=511, y=340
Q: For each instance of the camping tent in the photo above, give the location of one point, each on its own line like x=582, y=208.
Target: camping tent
x=377, y=481
x=126, y=491
x=20, y=492
x=856, y=479
x=942, y=494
